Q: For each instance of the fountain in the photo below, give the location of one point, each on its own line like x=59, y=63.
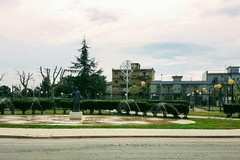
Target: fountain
x=5, y=103
x=164, y=108
x=126, y=106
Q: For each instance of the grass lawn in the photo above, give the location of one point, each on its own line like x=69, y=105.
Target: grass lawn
x=201, y=123
x=207, y=123
x=215, y=112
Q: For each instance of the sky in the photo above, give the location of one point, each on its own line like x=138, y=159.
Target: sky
x=174, y=37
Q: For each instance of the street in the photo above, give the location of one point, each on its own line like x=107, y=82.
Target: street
x=121, y=148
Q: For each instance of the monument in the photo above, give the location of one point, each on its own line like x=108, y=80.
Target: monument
x=76, y=113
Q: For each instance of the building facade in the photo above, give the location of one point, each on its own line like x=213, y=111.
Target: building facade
x=198, y=92
x=139, y=81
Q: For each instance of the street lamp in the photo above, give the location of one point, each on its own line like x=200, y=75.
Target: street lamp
x=197, y=92
x=127, y=70
x=194, y=95
x=219, y=87
x=231, y=82
x=204, y=91
x=143, y=84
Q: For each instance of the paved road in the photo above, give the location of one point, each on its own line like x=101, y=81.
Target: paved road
x=121, y=148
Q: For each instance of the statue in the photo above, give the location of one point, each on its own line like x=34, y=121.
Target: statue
x=76, y=100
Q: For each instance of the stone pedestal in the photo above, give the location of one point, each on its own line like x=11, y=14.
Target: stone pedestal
x=75, y=115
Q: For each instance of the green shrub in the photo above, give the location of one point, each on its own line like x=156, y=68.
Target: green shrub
x=65, y=104
x=22, y=104
x=230, y=109
x=144, y=106
x=182, y=108
x=47, y=104
x=36, y=105
x=6, y=104
x=99, y=105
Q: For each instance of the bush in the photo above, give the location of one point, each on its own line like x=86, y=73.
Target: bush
x=22, y=104
x=99, y=105
x=36, y=105
x=182, y=108
x=6, y=104
x=230, y=109
x=65, y=104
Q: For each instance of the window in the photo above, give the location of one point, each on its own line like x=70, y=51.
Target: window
x=215, y=80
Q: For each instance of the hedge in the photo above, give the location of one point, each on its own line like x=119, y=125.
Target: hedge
x=99, y=105
x=230, y=109
x=22, y=104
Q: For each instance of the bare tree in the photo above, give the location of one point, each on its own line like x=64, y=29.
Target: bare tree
x=24, y=79
x=46, y=75
x=1, y=77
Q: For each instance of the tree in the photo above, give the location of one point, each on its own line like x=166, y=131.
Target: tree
x=24, y=79
x=65, y=87
x=97, y=85
x=89, y=79
x=85, y=66
x=5, y=91
x=47, y=80
x=135, y=90
x=1, y=77
x=45, y=86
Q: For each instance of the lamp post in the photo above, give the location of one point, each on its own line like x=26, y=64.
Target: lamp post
x=196, y=93
x=189, y=100
x=219, y=87
x=127, y=70
x=194, y=96
x=204, y=90
x=231, y=82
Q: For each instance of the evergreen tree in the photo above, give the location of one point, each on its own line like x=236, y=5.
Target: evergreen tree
x=89, y=79
x=45, y=86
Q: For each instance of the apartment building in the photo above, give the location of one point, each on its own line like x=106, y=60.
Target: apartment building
x=198, y=91
x=141, y=78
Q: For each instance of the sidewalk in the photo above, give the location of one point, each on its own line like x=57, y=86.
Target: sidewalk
x=103, y=132
x=117, y=133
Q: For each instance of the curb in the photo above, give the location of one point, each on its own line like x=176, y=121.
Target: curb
x=115, y=133
x=111, y=136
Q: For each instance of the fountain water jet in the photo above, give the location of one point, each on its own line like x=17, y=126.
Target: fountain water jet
x=5, y=103
x=165, y=108
x=126, y=106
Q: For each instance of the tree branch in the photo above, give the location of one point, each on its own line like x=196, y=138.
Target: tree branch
x=2, y=76
x=56, y=74
x=24, y=79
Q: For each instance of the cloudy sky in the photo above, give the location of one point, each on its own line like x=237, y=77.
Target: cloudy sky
x=175, y=37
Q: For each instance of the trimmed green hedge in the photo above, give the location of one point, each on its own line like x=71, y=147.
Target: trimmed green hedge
x=99, y=105
x=22, y=104
x=230, y=109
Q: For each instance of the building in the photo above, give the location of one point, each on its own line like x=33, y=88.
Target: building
x=198, y=92
x=175, y=89
x=138, y=75
x=221, y=77
x=108, y=93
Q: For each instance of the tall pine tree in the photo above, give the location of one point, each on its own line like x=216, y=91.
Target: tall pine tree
x=88, y=75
